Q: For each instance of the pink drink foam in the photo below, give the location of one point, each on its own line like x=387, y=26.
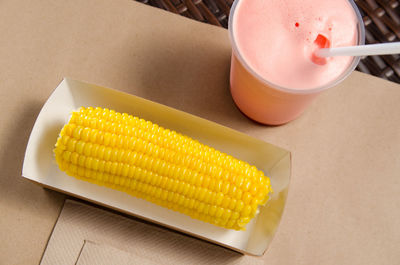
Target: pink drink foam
x=276, y=39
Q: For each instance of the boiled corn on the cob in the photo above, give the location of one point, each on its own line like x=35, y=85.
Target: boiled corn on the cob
x=162, y=166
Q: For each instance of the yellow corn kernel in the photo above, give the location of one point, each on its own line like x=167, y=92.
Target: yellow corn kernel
x=145, y=160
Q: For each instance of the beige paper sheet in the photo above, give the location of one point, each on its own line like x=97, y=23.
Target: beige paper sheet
x=343, y=204
x=87, y=235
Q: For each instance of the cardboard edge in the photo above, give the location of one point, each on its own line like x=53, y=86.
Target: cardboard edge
x=34, y=128
x=54, y=226
x=285, y=161
x=289, y=156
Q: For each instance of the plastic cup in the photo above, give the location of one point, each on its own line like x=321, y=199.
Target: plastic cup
x=269, y=103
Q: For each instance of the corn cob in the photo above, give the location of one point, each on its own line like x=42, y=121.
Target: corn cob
x=160, y=165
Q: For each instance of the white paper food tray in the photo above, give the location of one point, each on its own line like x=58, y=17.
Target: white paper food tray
x=40, y=166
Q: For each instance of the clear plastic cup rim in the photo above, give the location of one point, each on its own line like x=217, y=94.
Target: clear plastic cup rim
x=346, y=73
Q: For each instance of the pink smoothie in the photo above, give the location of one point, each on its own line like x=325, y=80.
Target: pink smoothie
x=274, y=41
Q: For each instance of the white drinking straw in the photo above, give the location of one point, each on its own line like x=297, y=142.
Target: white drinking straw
x=361, y=50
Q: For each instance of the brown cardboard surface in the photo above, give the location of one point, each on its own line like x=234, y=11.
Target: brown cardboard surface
x=343, y=204
x=121, y=239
